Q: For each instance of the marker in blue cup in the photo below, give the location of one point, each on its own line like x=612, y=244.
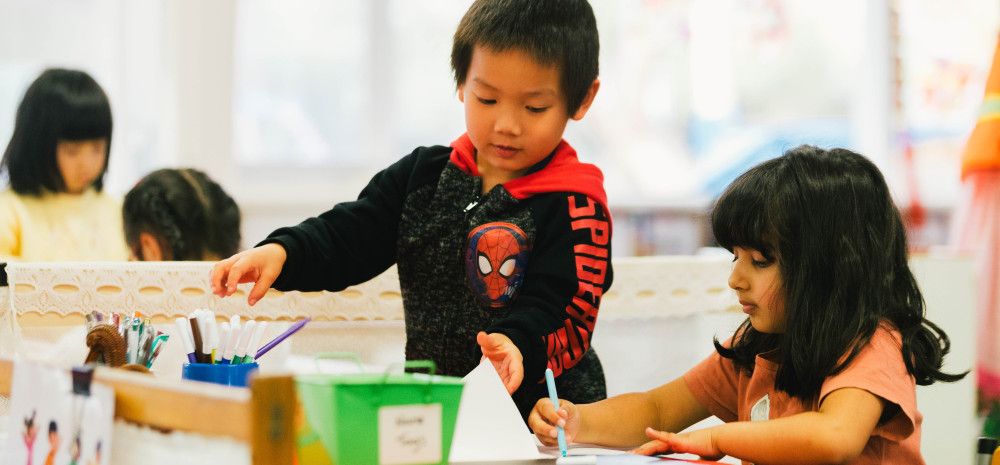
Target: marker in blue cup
x=550, y=381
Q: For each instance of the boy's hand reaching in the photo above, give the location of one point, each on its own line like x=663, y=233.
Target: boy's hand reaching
x=505, y=356
x=543, y=420
x=259, y=265
x=699, y=442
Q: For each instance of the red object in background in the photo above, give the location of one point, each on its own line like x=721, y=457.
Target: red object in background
x=977, y=232
x=916, y=214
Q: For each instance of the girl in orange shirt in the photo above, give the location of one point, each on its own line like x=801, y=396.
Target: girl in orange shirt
x=825, y=367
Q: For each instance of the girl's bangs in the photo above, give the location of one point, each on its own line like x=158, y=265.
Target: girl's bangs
x=87, y=118
x=740, y=216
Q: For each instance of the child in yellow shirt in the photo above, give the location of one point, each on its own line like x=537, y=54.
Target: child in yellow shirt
x=54, y=208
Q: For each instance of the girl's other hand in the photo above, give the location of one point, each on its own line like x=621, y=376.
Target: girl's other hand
x=699, y=442
x=259, y=265
x=544, y=418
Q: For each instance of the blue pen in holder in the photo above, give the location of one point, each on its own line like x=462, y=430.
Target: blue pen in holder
x=230, y=375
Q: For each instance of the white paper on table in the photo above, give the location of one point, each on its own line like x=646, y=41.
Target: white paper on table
x=604, y=460
x=586, y=454
x=614, y=459
x=489, y=426
x=578, y=454
x=581, y=449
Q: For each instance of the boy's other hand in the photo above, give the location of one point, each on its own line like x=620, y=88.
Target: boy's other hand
x=544, y=418
x=505, y=356
x=259, y=265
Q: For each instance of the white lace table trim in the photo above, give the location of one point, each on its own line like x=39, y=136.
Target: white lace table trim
x=646, y=287
x=175, y=288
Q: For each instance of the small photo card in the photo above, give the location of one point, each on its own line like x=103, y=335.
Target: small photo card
x=409, y=434
x=51, y=424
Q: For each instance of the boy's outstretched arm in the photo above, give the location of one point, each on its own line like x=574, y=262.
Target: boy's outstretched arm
x=619, y=421
x=349, y=244
x=259, y=265
x=837, y=433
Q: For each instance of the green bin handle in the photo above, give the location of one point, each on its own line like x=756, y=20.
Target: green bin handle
x=428, y=364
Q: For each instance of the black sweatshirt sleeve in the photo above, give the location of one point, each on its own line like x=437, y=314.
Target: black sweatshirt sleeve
x=351, y=243
x=553, y=317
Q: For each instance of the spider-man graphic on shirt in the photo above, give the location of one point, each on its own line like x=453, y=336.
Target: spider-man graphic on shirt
x=495, y=259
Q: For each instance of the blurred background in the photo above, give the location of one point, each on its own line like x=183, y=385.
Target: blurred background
x=293, y=105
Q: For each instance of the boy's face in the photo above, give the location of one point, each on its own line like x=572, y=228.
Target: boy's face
x=515, y=112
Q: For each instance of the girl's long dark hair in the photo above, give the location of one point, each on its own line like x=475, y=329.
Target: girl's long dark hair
x=61, y=104
x=829, y=220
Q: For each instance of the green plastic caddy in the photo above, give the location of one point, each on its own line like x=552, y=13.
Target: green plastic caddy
x=383, y=418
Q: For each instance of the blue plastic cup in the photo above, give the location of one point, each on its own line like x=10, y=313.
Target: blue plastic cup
x=230, y=375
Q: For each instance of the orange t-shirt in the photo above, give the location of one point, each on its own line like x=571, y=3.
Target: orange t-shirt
x=732, y=395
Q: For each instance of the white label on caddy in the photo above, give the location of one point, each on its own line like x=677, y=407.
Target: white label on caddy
x=409, y=434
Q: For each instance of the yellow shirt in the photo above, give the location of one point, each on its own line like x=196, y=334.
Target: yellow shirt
x=61, y=227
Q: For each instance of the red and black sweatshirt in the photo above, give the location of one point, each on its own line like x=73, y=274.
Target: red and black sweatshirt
x=529, y=259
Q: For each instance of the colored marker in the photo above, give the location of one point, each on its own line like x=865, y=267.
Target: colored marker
x=244, y=342
x=196, y=337
x=224, y=331
x=201, y=318
x=258, y=334
x=234, y=337
x=550, y=381
x=155, y=349
x=183, y=332
x=281, y=337
x=132, y=349
x=213, y=336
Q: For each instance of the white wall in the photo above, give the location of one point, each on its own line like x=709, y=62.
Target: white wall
x=950, y=427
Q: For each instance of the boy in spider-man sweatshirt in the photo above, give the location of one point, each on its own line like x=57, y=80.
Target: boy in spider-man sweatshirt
x=502, y=239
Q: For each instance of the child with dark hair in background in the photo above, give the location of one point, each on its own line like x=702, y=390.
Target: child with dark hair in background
x=50, y=459
x=30, y=434
x=180, y=214
x=502, y=240
x=825, y=367
x=55, y=162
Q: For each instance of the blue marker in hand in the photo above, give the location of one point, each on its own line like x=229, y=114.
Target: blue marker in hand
x=550, y=381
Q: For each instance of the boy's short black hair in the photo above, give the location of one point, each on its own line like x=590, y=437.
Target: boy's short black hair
x=61, y=104
x=190, y=215
x=555, y=32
